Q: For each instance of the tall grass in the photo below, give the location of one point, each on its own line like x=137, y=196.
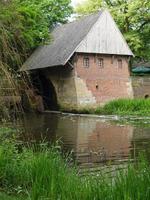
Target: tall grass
x=3, y=196
x=36, y=174
x=126, y=107
x=39, y=172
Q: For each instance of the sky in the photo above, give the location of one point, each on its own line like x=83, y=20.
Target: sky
x=75, y=2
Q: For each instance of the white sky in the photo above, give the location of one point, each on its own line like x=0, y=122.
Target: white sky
x=75, y=2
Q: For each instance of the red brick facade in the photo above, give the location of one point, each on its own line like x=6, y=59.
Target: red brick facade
x=107, y=77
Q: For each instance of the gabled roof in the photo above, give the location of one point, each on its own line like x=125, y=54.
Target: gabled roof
x=71, y=37
x=105, y=38
x=65, y=40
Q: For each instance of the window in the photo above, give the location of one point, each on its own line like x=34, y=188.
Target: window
x=100, y=62
x=119, y=63
x=86, y=62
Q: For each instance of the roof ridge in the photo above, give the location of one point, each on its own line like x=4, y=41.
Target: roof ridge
x=99, y=13
x=79, y=19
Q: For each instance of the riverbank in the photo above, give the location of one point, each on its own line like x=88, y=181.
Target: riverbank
x=40, y=172
x=121, y=107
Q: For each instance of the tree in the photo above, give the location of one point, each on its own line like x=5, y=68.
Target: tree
x=88, y=7
x=25, y=24
x=132, y=17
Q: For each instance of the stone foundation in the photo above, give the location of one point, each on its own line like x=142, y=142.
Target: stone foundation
x=141, y=86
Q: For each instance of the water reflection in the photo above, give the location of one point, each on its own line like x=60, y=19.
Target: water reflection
x=94, y=141
x=104, y=142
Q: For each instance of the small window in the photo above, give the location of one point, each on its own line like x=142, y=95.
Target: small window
x=100, y=62
x=86, y=62
x=120, y=63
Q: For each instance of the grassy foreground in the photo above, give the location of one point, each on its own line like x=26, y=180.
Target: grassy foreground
x=42, y=173
x=136, y=107
x=133, y=107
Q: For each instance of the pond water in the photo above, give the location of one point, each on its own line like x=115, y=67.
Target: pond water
x=94, y=141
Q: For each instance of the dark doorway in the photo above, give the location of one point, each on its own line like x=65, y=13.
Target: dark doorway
x=45, y=88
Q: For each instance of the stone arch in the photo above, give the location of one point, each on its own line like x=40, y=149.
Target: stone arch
x=46, y=89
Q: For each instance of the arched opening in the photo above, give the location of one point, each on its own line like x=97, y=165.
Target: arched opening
x=45, y=88
x=146, y=96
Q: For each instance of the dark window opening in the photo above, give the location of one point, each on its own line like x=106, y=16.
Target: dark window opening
x=100, y=62
x=119, y=63
x=86, y=62
x=146, y=96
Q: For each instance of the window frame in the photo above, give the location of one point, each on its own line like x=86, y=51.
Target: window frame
x=100, y=62
x=86, y=61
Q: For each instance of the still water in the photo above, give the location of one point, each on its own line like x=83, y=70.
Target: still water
x=93, y=141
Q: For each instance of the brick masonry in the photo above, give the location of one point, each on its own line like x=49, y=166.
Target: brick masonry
x=105, y=83
x=91, y=86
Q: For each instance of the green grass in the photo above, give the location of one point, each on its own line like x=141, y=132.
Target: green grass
x=9, y=197
x=123, y=107
x=136, y=107
x=42, y=173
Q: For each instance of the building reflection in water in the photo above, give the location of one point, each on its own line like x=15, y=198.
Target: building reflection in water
x=93, y=140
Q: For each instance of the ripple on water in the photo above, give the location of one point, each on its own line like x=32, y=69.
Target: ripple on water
x=94, y=141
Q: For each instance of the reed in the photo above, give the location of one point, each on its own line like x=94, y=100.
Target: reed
x=38, y=172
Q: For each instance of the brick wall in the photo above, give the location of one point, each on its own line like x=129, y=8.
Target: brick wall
x=82, y=86
x=107, y=82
